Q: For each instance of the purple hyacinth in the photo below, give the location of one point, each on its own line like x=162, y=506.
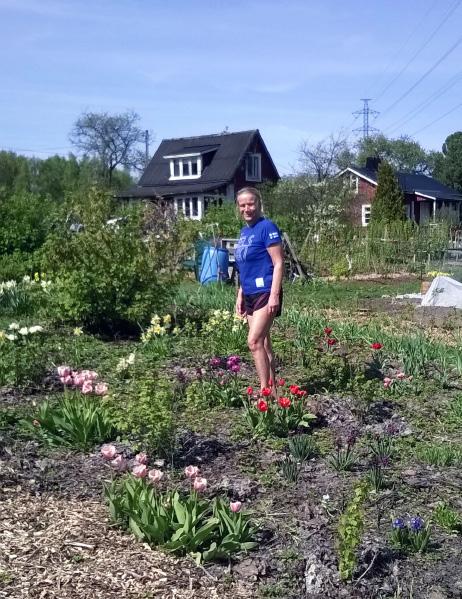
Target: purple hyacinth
x=416, y=523
x=399, y=523
x=215, y=362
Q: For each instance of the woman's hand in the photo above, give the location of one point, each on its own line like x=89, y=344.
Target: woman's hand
x=240, y=305
x=273, y=304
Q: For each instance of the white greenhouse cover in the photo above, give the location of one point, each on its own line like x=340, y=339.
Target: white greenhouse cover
x=445, y=292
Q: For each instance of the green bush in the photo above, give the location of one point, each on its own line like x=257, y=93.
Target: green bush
x=145, y=411
x=107, y=277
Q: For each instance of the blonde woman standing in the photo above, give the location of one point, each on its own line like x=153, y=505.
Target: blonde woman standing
x=260, y=261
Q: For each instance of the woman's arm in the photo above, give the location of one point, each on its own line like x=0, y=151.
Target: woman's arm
x=277, y=256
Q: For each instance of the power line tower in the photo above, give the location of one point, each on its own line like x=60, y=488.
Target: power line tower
x=366, y=129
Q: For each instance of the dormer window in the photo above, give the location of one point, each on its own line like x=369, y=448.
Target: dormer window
x=185, y=166
x=253, y=167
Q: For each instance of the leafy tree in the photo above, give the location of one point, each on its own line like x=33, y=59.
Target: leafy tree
x=14, y=172
x=388, y=203
x=25, y=220
x=112, y=139
x=403, y=153
x=449, y=164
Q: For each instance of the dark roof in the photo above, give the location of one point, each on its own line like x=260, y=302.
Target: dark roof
x=180, y=187
x=231, y=148
x=228, y=151
x=413, y=183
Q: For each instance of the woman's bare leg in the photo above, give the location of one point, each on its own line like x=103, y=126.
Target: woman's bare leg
x=259, y=325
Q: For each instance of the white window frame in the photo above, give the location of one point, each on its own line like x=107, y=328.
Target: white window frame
x=365, y=214
x=253, y=173
x=190, y=206
x=354, y=183
x=185, y=163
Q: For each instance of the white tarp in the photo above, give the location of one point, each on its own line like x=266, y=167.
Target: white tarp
x=445, y=292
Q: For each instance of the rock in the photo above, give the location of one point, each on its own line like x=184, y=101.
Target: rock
x=436, y=593
x=316, y=575
x=250, y=569
x=409, y=472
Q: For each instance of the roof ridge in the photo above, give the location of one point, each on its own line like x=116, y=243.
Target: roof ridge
x=210, y=135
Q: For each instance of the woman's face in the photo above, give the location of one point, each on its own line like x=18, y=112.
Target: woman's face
x=248, y=207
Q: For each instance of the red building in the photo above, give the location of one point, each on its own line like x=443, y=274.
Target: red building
x=424, y=197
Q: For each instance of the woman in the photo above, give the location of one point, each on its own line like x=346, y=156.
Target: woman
x=260, y=260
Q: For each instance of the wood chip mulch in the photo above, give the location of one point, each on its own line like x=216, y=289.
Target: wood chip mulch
x=55, y=547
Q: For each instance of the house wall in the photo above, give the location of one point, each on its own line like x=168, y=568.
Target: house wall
x=365, y=195
x=267, y=170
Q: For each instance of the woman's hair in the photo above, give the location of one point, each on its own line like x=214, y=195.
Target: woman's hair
x=256, y=194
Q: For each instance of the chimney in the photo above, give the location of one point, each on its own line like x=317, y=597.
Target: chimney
x=372, y=163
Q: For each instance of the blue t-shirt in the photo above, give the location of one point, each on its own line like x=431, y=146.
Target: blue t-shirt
x=252, y=257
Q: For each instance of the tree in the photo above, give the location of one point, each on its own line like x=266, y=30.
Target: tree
x=388, y=203
x=449, y=164
x=403, y=153
x=112, y=139
x=325, y=158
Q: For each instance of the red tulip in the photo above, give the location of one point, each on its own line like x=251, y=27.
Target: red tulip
x=331, y=341
x=262, y=405
x=376, y=346
x=249, y=390
x=266, y=392
x=281, y=382
x=328, y=331
x=294, y=389
x=284, y=402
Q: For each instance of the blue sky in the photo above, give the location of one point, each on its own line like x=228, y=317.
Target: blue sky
x=296, y=69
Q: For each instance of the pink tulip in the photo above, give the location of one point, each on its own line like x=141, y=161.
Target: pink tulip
x=67, y=380
x=140, y=471
x=78, y=378
x=191, y=471
x=400, y=376
x=89, y=375
x=87, y=387
x=155, y=475
x=200, y=484
x=108, y=452
x=235, y=506
x=119, y=463
x=141, y=458
x=64, y=371
x=101, y=389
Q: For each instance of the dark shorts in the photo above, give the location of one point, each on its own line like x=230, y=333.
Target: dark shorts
x=256, y=301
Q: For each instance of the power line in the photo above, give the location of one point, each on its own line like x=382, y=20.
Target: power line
x=419, y=50
x=38, y=151
x=409, y=116
x=425, y=75
x=438, y=119
x=398, y=53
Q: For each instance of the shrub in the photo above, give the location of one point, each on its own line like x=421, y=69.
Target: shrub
x=146, y=412
x=107, y=277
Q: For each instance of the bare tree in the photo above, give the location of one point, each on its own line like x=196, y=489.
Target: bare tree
x=113, y=139
x=323, y=159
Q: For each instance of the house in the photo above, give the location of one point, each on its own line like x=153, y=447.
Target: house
x=424, y=197
x=196, y=172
